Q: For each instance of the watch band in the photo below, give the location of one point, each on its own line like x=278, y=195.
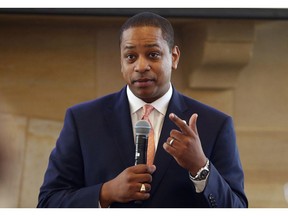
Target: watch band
x=202, y=173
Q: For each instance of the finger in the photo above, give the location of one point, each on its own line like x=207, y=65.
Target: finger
x=141, y=196
x=177, y=135
x=151, y=169
x=181, y=124
x=145, y=186
x=169, y=149
x=170, y=141
x=193, y=123
x=143, y=168
x=138, y=173
x=143, y=178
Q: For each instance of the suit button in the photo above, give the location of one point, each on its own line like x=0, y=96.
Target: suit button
x=211, y=197
x=212, y=201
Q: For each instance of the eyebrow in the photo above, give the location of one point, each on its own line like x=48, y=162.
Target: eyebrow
x=152, y=45
x=129, y=47
x=146, y=45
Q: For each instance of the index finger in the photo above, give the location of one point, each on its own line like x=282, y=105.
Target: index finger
x=181, y=124
x=143, y=168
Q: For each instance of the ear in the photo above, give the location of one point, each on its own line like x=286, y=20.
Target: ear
x=175, y=57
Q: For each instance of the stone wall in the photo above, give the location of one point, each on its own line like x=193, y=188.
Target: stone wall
x=48, y=63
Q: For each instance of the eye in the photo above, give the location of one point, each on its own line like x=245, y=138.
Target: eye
x=154, y=55
x=130, y=57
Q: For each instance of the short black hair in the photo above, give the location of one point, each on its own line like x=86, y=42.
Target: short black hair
x=150, y=19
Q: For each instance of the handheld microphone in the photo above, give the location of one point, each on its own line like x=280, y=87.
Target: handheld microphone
x=142, y=129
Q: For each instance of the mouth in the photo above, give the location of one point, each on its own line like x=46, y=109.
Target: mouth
x=143, y=82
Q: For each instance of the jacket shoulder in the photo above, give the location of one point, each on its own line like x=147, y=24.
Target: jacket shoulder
x=100, y=103
x=202, y=108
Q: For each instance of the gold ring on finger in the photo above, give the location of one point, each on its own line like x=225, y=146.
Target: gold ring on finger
x=171, y=141
x=142, y=189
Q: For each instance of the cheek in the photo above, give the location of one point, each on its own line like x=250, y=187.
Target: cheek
x=122, y=66
x=166, y=72
x=123, y=69
x=126, y=74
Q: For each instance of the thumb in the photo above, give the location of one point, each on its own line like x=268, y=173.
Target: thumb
x=193, y=123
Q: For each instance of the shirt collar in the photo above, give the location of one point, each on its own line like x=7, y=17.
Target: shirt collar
x=160, y=104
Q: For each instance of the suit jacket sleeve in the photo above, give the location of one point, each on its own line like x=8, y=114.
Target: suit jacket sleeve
x=226, y=180
x=63, y=182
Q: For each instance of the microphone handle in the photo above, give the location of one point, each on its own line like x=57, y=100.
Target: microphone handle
x=140, y=155
x=141, y=149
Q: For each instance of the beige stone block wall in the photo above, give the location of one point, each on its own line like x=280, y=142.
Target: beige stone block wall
x=46, y=67
x=12, y=157
x=48, y=63
x=264, y=158
x=41, y=139
x=261, y=104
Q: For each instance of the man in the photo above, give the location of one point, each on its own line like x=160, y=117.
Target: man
x=195, y=164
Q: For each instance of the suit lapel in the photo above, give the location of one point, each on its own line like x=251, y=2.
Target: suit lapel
x=119, y=122
x=120, y=125
x=162, y=158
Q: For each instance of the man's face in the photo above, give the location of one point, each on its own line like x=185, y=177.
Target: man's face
x=146, y=62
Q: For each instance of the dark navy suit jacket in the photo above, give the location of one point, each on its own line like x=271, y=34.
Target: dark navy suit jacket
x=97, y=143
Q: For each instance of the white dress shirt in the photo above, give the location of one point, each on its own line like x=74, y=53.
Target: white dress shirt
x=157, y=115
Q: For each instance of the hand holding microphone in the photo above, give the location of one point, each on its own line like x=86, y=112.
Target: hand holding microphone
x=142, y=129
x=129, y=185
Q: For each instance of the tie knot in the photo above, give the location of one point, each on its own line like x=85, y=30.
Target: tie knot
x=147, y=109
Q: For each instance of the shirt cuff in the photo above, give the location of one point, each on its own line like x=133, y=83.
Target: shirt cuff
x=200, y=185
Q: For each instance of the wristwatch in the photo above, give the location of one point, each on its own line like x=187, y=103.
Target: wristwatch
x=202, y=173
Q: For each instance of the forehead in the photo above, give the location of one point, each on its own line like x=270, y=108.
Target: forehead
x=142, y=35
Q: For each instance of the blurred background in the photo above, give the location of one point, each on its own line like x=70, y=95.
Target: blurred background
x=50, y=59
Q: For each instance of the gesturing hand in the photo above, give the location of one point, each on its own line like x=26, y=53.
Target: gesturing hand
x=185, y=145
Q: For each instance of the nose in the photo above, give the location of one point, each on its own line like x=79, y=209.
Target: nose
x=142, y=65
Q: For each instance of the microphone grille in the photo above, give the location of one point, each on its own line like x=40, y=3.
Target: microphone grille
x=142, y=127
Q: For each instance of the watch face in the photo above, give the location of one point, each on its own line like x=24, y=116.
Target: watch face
x=203, y=174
